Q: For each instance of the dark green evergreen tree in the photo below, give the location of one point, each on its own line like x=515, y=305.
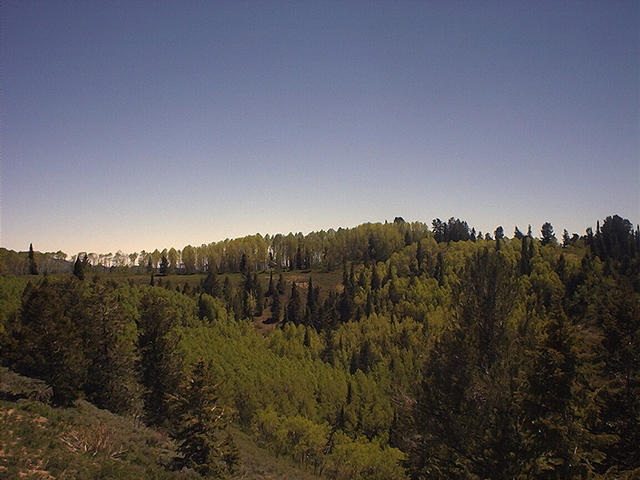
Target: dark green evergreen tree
x=550, y=427
x=299, y=258
x=164, y=265
x=547, y=234
x=201, y=427
x=271, y=287
x=78, y=268
x=43, y=342
x=466, y=426
x=294, y=306
x=244, y=266
x=280, y=286
x=210, y=285
x=311, y=307
x=227, y=289
x=518, y=234
x=525, y=259
x=499, y=234
x=440, y=268
x=33, y=266
x=375, y=277
x=160, y=364
x=258, y=295
x=276, y=308
x=107, y=321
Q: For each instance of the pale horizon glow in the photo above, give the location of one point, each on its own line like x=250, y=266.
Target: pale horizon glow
x=136, y=125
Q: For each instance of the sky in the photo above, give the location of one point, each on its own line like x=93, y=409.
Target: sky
x=142, y=125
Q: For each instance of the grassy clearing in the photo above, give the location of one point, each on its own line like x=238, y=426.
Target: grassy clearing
x=41, y=442
x=258, y=464
x=38, y=441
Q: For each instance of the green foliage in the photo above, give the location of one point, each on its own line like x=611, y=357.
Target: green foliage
x=547, y=234
x=200, y=424
x=449, y=354
x=111, y=336
x=37, y=441
x=44, y=342
x=33, y=266
x=11, y=289
x=159, y=328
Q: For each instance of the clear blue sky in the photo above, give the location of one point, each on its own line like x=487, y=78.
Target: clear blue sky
x=141, y=125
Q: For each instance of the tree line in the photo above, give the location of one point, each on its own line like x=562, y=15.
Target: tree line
x=453, y=357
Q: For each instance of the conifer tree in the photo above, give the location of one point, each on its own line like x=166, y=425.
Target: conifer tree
x=270, y=288
x=164, y=265
x=465, y=427
x=375, y=277
x=294, y=306
x=210, y=285
x=258, y=295
x=280, y=286
x=525, y=266
x=439, y=273
x=518, y=234
x=78, y=268
x=33, y=267
x=244, y=266
x=201, y=429
x=499, y=234
x=311, y=306
x=161, y=365
x=227, y=290
x=276, y=308
x=44, y=342
x=549, y=424
x=419, y=256
x=547, y=234
x=299, y=258
x=107, y=321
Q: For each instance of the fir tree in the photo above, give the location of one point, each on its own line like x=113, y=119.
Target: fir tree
x=294, y=306
x=549, y=424
x=164, y=265
x=227, y=290
x=375, y=277
x=201, y=429
x=276, y=308
x=518, y=234
x=547, y=234
x=78, y=268
x=45, y=343
x=499, y=234
x=161, y=365
x=280, y=285
x=311, y=304
x=439, y=273
x=244, y=267
x=258, y=295
x=210, y=285
x=33, y=267
x=299, y=258
x=270, y=288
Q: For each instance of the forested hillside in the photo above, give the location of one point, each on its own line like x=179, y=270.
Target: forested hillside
x=386, y=351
